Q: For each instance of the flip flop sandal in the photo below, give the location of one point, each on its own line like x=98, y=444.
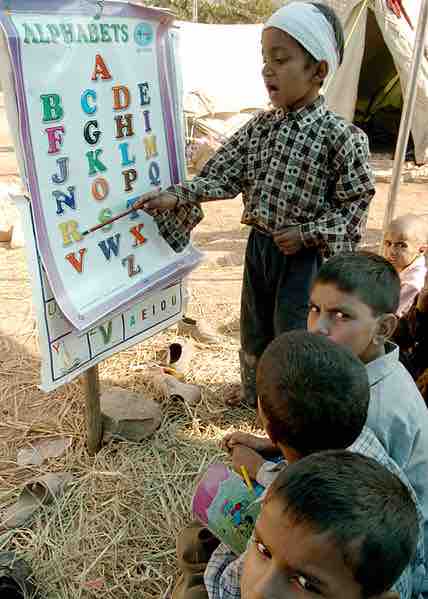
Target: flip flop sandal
x=179, y=356
x=198, y=330
x=35, y=494
x=172, y=388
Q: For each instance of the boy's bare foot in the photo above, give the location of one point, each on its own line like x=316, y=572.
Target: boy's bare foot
x=235, y=396
x=232, y=397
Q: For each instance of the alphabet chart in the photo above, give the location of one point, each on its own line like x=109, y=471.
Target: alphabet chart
x=65, y=352
x=96, y=88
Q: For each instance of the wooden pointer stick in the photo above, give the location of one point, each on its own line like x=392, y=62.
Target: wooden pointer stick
x=121, y=215
x=108, y=222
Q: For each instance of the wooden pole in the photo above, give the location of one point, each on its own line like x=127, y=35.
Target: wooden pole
x=406, y=117
x=94, y=429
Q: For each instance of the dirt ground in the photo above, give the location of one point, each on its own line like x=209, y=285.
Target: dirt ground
x=112, y=534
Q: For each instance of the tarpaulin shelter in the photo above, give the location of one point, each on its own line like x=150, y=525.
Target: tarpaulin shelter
x=224, y=63
x=376, y=67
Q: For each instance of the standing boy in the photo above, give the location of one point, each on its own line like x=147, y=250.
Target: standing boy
x=303, y=174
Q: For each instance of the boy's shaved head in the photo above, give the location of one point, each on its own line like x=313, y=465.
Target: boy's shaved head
x=413, y=227
x=405, y=240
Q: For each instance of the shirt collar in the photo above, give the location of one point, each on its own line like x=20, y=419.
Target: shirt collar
x=384, y=365
x=416, y=267
x=304, y=116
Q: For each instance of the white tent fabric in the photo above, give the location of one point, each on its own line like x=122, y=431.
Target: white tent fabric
x=224, y=62
x=399, y=39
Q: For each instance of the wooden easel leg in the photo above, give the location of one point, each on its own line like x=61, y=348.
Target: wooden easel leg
x=94, y=429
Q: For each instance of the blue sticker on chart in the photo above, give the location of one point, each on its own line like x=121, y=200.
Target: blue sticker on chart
x=144, y=34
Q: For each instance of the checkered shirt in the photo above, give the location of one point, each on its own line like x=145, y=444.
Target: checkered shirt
x=224, y=570
x=307, y=168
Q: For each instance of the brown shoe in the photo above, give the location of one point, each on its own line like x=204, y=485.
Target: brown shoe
x=15, y=577
x=195, y=545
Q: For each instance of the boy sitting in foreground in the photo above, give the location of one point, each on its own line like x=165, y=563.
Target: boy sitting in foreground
x=313, y=396
x=354, y=299
x=334, y=524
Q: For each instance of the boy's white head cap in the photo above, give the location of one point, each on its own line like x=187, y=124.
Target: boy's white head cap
x=307, y=25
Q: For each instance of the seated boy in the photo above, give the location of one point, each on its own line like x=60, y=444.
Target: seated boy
x=404, y=246
x=411, y=335
x=313, y=396
x=354, y=300
x=334, y=524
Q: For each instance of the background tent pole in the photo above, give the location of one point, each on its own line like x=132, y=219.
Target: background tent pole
x=406, y=116
x=195, y=11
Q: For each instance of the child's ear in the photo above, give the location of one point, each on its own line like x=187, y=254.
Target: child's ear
x=385, y=328
x=264, y=420
x=321, y=72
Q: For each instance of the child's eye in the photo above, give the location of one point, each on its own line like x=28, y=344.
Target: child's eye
x=387, y=243
x=304, y=584
x=340, y=316
x=262, y=549
x=314, y=309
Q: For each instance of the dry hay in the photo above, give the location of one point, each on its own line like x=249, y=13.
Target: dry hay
x=113, y=533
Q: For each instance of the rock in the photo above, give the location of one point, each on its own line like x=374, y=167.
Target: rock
x=127, y=415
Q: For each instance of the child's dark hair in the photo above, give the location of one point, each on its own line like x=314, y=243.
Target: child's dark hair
x=334, y=21
x=368, y=511
x=313, y=392
x=369, y=276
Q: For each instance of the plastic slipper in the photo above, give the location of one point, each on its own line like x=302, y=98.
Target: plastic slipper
x=179, y=356
x=199, y=330
x=36, y=493
x=172, y=388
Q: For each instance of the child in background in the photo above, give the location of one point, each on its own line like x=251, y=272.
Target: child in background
x=411, y=335
x=334, y=524
x=404, y=246
x=304, y=176
x=306, y=386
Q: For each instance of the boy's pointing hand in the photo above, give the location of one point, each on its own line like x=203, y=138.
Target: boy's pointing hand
x=156, y=202
x=289, y=240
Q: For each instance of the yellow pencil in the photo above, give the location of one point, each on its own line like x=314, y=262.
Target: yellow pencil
x=247, y=478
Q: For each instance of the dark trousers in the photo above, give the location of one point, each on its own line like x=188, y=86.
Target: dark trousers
x=275, y=292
